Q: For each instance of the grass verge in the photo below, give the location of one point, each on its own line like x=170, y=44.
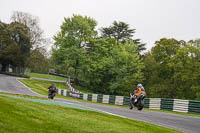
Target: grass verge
x=46, y=76
x=40, y=86
x=25, y=116
x=22, y=95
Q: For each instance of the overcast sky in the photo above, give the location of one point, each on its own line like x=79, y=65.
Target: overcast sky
x=152, y=19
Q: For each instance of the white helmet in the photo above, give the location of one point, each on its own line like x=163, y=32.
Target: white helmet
x=139, y=86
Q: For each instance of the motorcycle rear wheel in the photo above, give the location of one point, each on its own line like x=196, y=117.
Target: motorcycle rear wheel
x=141, y=106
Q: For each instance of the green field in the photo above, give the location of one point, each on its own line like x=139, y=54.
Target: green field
x=46, y=76
x=21, y=116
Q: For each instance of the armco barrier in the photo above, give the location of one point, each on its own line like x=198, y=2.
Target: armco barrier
x=146, y=102
x=194, y=107
x=89, y=97
x=126, y=100
x=105, y=99
x=167, y=104
x=99, y=98
x=178, y=105
x=112, y=99
x=154, y=103
x=119, y=100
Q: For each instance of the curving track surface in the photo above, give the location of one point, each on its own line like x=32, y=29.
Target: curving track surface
x=183, y=123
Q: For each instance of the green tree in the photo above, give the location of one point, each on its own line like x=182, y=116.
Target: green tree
x=119, y=31
x=164, y=53
x=122, y=32
x=126, y=68
x=113, y=68
x=38, y=41
x=15, y=44
x=71, y=43
x=172, y=69
x=5, y=40
x=39, y=62
x=187, y=68
x=151, y=74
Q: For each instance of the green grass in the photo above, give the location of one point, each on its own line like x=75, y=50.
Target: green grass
x=41, y=86
x=22, y=95
x=46, y=76
x=20, y=116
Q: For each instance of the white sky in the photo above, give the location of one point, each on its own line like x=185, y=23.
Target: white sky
x=152, y=19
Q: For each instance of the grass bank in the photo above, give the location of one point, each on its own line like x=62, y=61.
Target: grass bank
x=40, y=86
x=46, y=76
x=30, y=117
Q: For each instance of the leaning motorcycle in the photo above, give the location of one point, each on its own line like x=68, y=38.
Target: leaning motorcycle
x=139, y=104
x=52, y=93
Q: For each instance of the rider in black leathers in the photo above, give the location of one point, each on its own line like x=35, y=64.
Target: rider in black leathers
x=52, y=91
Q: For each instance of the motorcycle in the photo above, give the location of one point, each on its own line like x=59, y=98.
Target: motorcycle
x=139, y=103
x=52, y=93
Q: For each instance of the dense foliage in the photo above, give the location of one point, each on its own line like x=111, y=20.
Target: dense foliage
x=121, y=32
x=22, y=44
x=104, y=65
x=172, y=69
x=14, y=45
x=38, y=60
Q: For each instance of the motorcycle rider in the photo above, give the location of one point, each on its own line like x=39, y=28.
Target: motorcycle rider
x=136, y=93
x=51, y=91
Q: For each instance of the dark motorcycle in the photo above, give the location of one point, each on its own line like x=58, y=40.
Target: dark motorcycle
x=139, y=104
x=52, y=93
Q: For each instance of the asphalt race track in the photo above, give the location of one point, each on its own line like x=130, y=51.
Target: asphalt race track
x=179, y=122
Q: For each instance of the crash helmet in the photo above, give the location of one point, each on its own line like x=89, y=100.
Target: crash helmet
x=139, y=86
x=53, y=86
